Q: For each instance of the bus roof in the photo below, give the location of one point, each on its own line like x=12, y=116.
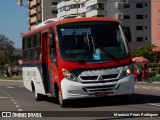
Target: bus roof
x=64, y=21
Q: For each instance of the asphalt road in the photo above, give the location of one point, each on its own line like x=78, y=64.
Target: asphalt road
x=14, y=97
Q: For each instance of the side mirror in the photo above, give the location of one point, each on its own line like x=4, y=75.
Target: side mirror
x=127, y=33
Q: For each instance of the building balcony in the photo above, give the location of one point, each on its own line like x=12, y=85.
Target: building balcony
x=33, y=19
x=33, y=3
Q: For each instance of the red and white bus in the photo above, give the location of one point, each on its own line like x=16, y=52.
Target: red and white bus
x=78, y=58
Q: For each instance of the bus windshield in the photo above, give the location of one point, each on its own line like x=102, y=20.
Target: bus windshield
x=92, y=41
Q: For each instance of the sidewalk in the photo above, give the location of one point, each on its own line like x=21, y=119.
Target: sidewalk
x=155, y=83
x=148, y=86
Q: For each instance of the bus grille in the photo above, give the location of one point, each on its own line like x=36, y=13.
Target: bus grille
x=99, y=88
x=100, y=75
x=95, y=77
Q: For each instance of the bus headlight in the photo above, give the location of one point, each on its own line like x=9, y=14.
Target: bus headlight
x=68, y=75
x=127, y=71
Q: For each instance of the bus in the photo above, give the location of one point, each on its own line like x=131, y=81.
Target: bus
x=75, y=58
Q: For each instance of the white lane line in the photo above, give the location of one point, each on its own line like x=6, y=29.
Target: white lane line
x=19, y=109
x=153, y=104
x=5, y=97
x=17, y=106
x=21, y=86
x=10, y=87
x=11, y=98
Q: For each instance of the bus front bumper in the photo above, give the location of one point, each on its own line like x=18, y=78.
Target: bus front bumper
x=75, y=90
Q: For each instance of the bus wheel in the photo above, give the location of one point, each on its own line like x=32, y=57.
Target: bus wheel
x=61, y=101
x=38, y=96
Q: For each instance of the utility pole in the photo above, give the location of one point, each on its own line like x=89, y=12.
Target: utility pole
x=77, y=5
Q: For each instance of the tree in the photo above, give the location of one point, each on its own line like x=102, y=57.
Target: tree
x=147, y=52
x=7, y=57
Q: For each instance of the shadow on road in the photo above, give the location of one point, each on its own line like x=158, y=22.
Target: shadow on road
x=109, y=101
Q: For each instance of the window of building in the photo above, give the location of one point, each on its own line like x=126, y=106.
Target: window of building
x=83, y=4
x=139, y=5
x=92, y=7
x=126, y=5
x=54, y=3
x=139, y=27
x=73, y=6
x=59, y=10
x=126, y=16
x=100, y=6
x=146, y=27
x=146, y=38
x=146, y=16
x=139, y=16
x=146, y=4
x=139, y=39
x=54, y=11
x=67, y=8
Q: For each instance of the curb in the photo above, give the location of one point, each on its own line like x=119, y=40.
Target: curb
x=1, y=80
x=147, y=86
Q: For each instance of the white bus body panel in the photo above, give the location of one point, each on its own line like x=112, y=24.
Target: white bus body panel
x=73, y=90
x=32, y=74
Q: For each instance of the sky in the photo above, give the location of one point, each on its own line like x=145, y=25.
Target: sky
x=13, y=20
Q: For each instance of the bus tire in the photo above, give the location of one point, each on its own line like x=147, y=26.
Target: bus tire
x=39, y=97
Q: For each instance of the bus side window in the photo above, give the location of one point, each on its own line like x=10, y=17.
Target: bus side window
x=53, y=46
x=38, y=46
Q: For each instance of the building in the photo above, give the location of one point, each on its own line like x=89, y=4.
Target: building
x=89, y=8
x=155, y=22
x=135, y=14
x=39, y=11
x=142, y=16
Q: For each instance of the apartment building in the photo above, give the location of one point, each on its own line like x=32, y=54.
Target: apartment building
x=142, y=16
x=39, y=11
x=135, y=14
x=155, y=22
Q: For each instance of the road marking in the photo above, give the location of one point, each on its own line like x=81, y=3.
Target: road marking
x=20, y=110
x=11, y=98
x=5, y=97
x=153, y=104
x=17, y=106
x=15, y=102
x=10, y=87
x=21, y=86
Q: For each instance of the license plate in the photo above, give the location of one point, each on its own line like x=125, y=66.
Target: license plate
x=101, y=94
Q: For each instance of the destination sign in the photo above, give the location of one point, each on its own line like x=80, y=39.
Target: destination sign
x=76, y=31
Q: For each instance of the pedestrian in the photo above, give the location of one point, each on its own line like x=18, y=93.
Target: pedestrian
x=145, y=72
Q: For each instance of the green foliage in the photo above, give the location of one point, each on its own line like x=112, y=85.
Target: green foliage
x=147, y=52
x=7, y=57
